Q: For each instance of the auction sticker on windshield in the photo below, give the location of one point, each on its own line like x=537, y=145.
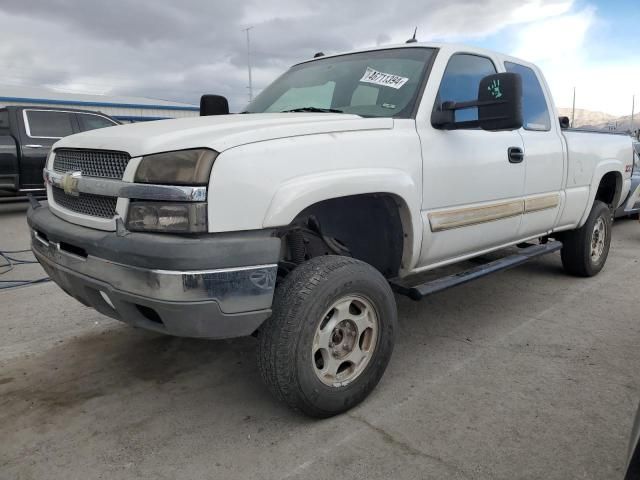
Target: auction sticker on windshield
x=385, y=79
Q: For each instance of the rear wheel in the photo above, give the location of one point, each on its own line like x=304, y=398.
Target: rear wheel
x=330, y=337
x=585, y=250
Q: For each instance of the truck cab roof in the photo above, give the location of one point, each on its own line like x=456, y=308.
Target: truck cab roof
x=444, y=47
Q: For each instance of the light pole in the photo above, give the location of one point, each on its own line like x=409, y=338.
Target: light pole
x=633, y=108
x=249, y=62
x=573, y=109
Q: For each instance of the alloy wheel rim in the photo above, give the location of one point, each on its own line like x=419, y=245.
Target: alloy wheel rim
x=598, y=240
x=345, y=340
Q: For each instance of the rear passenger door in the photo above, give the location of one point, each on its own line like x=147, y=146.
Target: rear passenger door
x=543, y=153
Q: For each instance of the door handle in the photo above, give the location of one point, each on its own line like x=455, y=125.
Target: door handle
x=32, y=145
x=515, y=154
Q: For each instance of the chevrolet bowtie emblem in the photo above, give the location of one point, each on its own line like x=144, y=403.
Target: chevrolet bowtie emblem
x=69, y=183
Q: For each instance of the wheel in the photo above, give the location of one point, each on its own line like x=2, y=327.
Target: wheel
x=330, y=337
x=585, y=250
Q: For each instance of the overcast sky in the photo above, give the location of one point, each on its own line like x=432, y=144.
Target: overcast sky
x=179, y=50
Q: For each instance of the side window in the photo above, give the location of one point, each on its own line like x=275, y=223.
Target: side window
x=318, y=96
x=92, y=122
x=461, y=80
x=535, y=113
x=49, y=123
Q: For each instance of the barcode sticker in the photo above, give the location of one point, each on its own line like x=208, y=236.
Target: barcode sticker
x=385, y=79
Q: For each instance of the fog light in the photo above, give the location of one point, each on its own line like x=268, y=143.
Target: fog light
x=167, y=217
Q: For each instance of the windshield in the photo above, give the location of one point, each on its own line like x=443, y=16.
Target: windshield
x=382, y=83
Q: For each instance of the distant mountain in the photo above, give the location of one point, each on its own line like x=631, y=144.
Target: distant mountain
x=600, y=120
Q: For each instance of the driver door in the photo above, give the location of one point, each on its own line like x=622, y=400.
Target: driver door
x=472, y=192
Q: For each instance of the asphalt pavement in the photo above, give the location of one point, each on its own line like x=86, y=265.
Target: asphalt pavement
x=526, y=374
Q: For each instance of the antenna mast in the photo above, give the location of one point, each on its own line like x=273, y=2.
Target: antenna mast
x=573, y=109
x=633, y=108
x=249, y=63
x=413, y=39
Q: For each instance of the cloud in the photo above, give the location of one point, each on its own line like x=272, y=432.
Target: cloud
x=562, y=47
x=555, y=38
x=177, y=51
x=603, y=87
x=539, y=10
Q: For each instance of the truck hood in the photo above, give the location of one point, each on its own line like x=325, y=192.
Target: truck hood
x=217, y=132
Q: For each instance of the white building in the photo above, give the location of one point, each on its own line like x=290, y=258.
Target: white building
x=125, y=109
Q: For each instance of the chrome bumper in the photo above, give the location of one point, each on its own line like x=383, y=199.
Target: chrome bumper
x=207, y=286
x=220, y=303
x=235, y=290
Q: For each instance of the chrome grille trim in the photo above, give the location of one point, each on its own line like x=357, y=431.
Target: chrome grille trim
x=92, y=163
x=138, y=191
x=86, y=203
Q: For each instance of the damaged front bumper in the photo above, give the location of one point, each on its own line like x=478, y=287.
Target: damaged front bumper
x=210, y=286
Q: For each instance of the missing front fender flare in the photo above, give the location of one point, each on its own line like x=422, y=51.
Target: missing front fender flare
x=305, y=240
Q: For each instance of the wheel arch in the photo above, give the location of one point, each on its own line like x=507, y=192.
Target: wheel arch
x=607, y=186
x=393, y=187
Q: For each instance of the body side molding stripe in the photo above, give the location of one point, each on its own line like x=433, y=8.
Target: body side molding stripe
x=535, y=204
x=467, y=216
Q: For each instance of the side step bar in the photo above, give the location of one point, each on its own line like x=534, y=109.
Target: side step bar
x=418, y=292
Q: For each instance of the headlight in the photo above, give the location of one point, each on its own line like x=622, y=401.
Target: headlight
x=167, y=217
x=182, y=167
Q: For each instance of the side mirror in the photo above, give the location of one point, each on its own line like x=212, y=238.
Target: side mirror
x=564, y=122
x=499, y=106
x=500, y=102
x=213, y=105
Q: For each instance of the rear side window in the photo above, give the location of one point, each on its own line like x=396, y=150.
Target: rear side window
x=461, y=80
x=51, y=124
x=92, y=122
x=535, y=113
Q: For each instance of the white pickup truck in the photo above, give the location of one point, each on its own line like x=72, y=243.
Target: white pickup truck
x=345, y=177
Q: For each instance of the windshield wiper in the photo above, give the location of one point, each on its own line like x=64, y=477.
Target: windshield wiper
x=313, y=109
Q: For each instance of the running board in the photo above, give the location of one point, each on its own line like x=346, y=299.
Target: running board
x=418, y=292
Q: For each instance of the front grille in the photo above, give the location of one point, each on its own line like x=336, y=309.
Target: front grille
x=92, y=163
x=86, y=203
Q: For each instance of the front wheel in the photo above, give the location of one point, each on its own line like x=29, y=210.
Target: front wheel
x=330, y=337
x=585, y=250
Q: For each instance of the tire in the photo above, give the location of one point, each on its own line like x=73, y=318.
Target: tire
x=585, y=250
x=327, y=312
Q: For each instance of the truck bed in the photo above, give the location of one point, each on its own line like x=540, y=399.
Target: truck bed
x=586, y=149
